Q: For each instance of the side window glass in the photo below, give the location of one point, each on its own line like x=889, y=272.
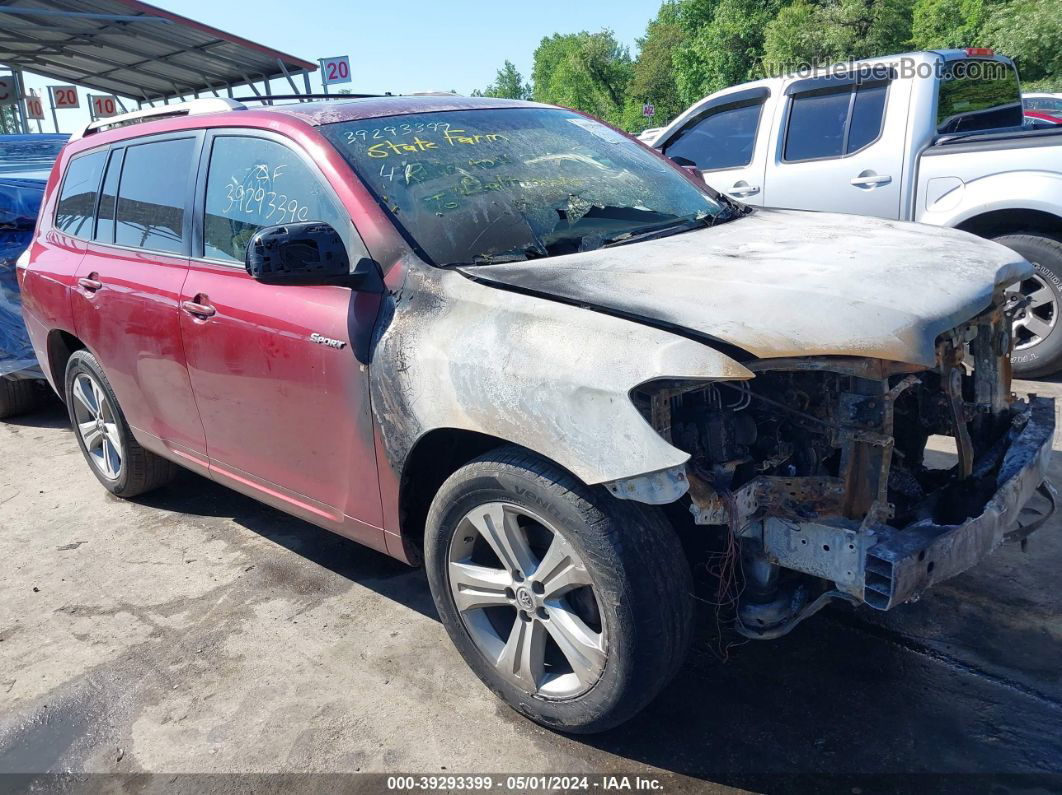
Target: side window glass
x=816, y=125
x=725, y=139
x=252, y=183
x=152, y=195
x=108, y=198
x=77, y=202
x=868, y=113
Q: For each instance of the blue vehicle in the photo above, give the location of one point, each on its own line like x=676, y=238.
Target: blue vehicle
x=25, y=163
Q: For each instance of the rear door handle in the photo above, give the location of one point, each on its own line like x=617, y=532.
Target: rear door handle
x=90, y=284
x=198, y=310
x=871, y=180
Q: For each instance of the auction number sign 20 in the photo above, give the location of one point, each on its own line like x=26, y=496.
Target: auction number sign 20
x=335, y=70
x=64, y=97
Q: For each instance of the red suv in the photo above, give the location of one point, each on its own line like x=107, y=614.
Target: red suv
x=513, y=343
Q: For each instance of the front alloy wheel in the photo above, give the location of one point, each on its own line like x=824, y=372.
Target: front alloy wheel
x=572, y=606
x=527, y=601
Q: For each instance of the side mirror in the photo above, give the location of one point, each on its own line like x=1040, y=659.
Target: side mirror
x=307, y=253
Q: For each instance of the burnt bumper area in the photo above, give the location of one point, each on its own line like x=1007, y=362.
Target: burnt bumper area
x=903, y=562
x=815, y=474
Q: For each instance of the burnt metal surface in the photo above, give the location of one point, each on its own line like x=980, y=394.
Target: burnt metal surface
x=780, y=283
x=859, y=512
x=798, y=498
x=904, y=562
x=452, y=353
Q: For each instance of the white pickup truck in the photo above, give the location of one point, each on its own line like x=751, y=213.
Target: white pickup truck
x=934, y=137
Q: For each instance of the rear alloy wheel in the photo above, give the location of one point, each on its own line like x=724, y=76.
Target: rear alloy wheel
x=572, y=606
x=95, y=421
x=116, y=458
x=1037, y=334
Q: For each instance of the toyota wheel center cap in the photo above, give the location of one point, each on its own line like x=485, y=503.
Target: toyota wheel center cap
x=525, y=599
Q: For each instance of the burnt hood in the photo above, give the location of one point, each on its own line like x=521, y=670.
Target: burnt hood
x=786, y=283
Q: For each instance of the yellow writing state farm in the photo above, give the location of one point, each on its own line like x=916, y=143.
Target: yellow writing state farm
x=418, y=144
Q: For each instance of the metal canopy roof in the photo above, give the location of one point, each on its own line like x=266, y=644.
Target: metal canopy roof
x=133, y=49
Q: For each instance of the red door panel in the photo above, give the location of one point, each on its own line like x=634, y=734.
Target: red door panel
x=282, y=413
x=130, y=321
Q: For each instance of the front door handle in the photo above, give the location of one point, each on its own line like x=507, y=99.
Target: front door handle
x=871, y=180
x=200, y=311
x=743, y=189
x=90, y=283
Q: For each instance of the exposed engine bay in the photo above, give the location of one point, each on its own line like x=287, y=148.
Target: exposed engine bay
x=817, y=468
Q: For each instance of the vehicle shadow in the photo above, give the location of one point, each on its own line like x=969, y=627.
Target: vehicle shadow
x=198, y=496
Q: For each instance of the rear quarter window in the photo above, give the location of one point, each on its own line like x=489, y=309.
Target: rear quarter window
x=978, y=95
x=77, y=200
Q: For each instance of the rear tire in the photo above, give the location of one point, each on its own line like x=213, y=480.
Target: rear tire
x=1038, y=328
x=601, y=602
x=17, y=396
x=116, y=459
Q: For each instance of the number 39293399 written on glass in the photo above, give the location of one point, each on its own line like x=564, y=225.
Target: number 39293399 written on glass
x=259, y=195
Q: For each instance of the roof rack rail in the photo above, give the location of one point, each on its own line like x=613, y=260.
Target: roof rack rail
x=269, y=97
x=191, y=108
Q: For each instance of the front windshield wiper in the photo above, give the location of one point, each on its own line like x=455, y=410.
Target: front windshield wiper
x=513, y=255
x=663, y=229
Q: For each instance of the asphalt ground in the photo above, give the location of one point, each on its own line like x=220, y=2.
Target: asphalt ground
x=195, y=631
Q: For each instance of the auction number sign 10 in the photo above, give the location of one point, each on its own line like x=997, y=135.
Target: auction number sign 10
x=103, y=105
x=34, y=108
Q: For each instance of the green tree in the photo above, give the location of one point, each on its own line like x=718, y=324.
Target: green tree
x=508, y=84
x=810, y=33
x=726, y=50
x=940, y=24
x=1030, y=32
x=653, y=73
x=587, y=71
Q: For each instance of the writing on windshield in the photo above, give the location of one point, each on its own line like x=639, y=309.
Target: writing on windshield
x=516, y=183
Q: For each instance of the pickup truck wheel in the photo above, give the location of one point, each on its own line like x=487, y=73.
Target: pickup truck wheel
x=572, y=606
x=1037, y=334
x=17, y=396
x=116, y=459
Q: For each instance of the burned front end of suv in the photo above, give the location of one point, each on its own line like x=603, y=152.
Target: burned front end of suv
x=817, y=469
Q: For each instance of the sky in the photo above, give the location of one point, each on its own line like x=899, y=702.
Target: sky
x=412, y=45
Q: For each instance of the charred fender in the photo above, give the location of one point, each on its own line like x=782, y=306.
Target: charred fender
x=556, y=379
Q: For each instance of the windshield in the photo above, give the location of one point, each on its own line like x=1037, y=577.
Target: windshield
x=484, y=186
x=978, y=95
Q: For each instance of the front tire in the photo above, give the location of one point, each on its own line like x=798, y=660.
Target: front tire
x=116, y=459
x=1037, y=328
x=572, y=606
